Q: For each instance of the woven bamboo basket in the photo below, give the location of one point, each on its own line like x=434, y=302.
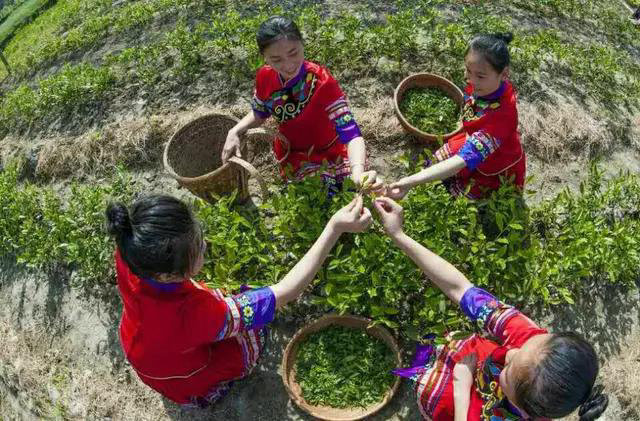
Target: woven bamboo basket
x=193, y=158
x=325, y=412
x=426, y=80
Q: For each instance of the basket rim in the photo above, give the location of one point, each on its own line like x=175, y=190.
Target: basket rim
x=301, y=333
x=405, y=122
x=183, y=128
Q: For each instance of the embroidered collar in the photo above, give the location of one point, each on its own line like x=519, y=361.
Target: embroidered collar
x=163, y=286
x=294, y=80
x=496, y=405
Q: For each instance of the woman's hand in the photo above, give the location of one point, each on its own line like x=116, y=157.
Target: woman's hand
x=369, y=181
x=352, y=218
x=391, y=215
x=231, y=146
x=398, y=190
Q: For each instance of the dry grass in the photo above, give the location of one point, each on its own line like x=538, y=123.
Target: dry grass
x=561, y=131
x=47, y=380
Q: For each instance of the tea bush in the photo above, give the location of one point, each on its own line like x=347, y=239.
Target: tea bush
x=354, y=42
x=526, y=256
x=41, y=229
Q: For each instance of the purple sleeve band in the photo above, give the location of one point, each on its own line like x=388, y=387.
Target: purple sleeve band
x=257, y=307
x=260, y=114
x=477, y=149
x=348, y=133
x=474, y=300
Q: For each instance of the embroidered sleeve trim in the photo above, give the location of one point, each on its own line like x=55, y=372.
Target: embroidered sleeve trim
x=477, y=149
x=259, y=108
x=341, y=115
x=252, y=309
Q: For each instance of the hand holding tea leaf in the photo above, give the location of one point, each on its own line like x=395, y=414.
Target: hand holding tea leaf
x=352, y=218
x=391, y=215
x=370, y=182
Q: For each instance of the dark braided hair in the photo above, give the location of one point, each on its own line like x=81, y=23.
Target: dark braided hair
x=159, y=235
x=562, y=381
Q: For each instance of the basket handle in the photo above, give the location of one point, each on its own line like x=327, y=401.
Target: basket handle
x=254, y=173
x=282, y=138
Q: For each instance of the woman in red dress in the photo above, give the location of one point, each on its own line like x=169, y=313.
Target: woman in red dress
x=188, y=342
x=488, y=149
x=522, y=371
x=316, y=126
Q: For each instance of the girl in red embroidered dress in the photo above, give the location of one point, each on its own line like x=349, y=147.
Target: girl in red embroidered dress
x=488, y=148
x=184, y=340
x=522, y=372
x=315, y=122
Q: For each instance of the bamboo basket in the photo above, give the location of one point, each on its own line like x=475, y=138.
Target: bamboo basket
x=325, y=412
x=426, y=80
x=193, y=158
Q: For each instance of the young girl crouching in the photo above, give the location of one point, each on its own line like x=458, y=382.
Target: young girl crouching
x=188, y=342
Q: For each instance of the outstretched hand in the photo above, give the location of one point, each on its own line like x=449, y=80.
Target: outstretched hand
x=352, y=218
x=397, y=190
x=370, y=181
x=391, y=215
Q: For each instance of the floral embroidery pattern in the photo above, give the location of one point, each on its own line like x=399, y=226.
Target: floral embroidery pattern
x=488, y=387
x=341, y=115
x=249, y=310
x=288, y=103
x=476, y=108
x=477, y=149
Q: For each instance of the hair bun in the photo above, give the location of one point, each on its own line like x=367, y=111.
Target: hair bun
x=507, y=37
x=595, y=405
x=118, y=221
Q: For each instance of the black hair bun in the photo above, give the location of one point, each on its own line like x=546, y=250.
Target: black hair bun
x=118, y=221
x=595, y=405
x=507, y=37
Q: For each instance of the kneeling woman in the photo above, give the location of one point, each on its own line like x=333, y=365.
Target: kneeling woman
x=488, y=149
x=184, y=340
x=523, y=372
x=316, y=126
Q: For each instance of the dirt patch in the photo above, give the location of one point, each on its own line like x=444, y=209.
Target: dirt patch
x=62, y=358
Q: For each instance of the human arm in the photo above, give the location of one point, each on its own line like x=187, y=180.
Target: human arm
x=462, y=384
x=500, y=320
x=357, y=152
x=439, y=171
x=232, y=144
x=352, y=218
x=442, y=273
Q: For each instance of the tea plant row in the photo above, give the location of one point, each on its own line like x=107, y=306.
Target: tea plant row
x=220, y=46
x=541, y=255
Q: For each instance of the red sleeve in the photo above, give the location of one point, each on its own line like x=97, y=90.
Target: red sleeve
x=329, y=90
x=216, y=317
x=205, y=316
x=262, y=90
x=507, y=324
x=502, y=123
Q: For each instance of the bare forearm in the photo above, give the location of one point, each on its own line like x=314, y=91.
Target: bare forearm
x=305, y=270
x=439, y=171
x=442, y=273
x=249, y=121
x=357, y=152
x=461, y=400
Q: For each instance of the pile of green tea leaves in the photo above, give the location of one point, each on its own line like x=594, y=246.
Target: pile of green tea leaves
x=342, y=367
x=430, y=110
